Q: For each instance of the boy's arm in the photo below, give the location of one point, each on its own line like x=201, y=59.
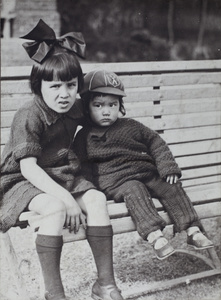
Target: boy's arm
x=162, y=155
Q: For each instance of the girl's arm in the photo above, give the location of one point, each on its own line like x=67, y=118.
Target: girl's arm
x=40, y=179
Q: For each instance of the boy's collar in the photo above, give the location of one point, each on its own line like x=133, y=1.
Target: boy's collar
x=52, y=116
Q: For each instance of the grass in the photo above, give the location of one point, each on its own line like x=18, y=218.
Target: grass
x=134, y=264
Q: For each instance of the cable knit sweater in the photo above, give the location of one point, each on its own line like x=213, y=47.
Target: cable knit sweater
x=125, y=151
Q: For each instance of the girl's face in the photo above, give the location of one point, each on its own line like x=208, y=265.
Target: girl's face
x=104, y=109
x=59, y=95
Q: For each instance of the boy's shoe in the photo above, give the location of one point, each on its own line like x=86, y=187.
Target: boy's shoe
x=49, y=296
x=199, y=241
x=163, y=252
x=107, y=292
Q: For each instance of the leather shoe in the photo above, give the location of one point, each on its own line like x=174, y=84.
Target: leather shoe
x=199, y=241
x=106, y=292
x=163, y=252
x=49, y=296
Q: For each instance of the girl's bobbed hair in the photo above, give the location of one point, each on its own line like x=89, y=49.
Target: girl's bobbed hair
x=59, y=65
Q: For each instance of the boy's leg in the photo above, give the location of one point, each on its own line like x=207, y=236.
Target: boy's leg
x=49, y=243
x=181, y=211
x=99, y=234
x=176, y=203
x=140, y=206
x=145, y=216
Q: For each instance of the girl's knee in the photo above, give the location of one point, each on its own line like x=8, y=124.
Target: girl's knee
x=96, y=198
x=47, y=205
x=95, y=205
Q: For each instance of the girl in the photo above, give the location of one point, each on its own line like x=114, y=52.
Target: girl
x=130, y=162
x=40, y=172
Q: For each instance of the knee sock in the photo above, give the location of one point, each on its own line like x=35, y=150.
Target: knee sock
x=100, y=239
x=49, y=252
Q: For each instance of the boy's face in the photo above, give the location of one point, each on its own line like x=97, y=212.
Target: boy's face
x=59, y=95
x=104, y=109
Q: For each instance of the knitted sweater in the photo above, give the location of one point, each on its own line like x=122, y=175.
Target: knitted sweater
x=125, y=151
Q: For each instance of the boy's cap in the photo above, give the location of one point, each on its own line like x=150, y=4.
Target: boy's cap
x=101, y=81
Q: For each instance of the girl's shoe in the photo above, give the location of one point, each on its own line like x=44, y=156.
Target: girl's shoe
x=163, y=252
x=199, y=241
x=107, y=292
x=49, y=296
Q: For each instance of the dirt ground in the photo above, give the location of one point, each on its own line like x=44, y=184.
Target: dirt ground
x=134, y=264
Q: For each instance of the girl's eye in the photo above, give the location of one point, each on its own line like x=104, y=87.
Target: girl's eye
x=73, y=84
x=55, y=86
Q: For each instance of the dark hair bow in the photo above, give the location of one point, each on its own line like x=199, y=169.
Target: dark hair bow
x=45, y=40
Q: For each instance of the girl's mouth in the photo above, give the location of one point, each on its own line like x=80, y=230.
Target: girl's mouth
x=63, y=104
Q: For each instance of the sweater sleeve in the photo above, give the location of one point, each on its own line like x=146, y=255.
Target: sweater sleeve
x=25, y=134
x=160, y=152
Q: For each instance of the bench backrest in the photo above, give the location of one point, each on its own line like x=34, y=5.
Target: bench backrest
x=181, y=100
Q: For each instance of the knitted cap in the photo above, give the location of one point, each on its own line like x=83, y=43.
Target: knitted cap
x=101, y=81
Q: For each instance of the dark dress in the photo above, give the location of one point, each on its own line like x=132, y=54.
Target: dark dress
x=38, y=131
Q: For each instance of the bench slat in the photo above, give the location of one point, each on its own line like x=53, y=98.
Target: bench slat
x=191, y=134
x=142, y=94
x=11, y=86
x=130, y=67
x=126, y=224
x=201, y=181
x=200, y=147
x=182, y=106
x=201, y=172
x=171, y=79
x=199, y=160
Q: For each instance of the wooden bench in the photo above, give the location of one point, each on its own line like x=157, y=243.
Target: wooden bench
x=182, y=101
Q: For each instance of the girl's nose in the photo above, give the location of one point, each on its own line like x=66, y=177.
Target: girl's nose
x=64, y=93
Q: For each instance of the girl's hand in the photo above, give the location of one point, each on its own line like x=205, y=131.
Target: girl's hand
x=172, y=178
x=74, y=217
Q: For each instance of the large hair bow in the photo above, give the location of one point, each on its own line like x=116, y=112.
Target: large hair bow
x=45, y=40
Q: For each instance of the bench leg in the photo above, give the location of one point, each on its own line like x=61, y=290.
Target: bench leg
x=215, y=259
x=7, y=29
x=10, y=255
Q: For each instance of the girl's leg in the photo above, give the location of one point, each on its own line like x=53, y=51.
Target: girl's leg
x=100, y=238
x=49, y=242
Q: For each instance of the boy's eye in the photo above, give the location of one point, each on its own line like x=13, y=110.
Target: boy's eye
x=113, y=104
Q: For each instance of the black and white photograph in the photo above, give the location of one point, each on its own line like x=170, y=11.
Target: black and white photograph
x=110, y=150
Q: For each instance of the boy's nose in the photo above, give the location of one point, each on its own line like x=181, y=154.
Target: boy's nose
x=106, y=111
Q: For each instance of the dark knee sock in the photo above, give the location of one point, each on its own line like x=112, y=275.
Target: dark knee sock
x=49, y=252
x=100, y=239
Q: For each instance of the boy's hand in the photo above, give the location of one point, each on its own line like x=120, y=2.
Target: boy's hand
x=171, y=179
